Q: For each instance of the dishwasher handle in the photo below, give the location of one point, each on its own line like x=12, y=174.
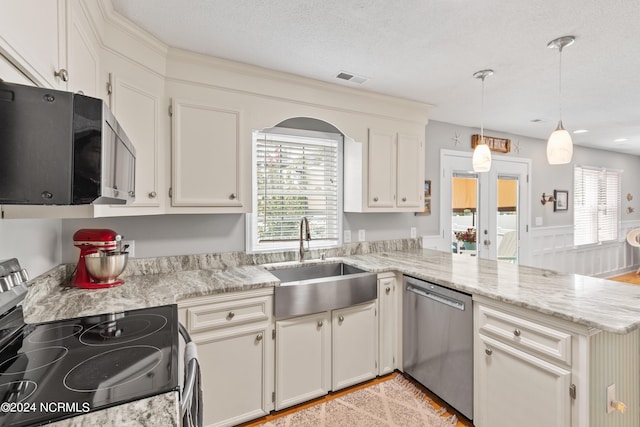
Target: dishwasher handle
x=451, y=302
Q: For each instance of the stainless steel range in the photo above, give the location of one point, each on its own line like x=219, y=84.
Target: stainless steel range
x=50, y=371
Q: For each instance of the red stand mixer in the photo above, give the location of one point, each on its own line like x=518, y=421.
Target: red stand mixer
x=100, y=261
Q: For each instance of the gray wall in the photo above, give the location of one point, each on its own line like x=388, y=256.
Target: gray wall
x=544, y=177
x=35, y=242
x=164, y=235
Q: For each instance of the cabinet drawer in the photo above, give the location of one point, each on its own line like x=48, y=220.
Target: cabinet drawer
x=525, y=334
x=229, y=313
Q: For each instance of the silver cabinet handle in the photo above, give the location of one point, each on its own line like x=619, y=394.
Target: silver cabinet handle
x=404, y=199
x=259, y=337
x=341, y=319
x=375, y=199
x=516, y=332
x=488, y=351
x=487, y=242
x=320, y=323
x=388, y=289
x=230, y=315
x=152, y=195
x=232, y=196
x=62, y=74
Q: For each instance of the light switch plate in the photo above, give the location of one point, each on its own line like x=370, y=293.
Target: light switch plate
x=414, y=232
x=611, y=396
x=538, y=220
x=347, y=236
x=361, y=236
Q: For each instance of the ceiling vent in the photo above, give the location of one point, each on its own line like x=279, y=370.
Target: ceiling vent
x=354, y=78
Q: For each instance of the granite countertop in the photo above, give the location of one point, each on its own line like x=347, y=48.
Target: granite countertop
x=592, y=302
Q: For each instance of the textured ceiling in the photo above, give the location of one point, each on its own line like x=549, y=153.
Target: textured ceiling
x=428, y=50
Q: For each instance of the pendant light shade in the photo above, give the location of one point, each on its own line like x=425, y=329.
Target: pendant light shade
x=482, y=158
x=482, y=153
x=560, y=145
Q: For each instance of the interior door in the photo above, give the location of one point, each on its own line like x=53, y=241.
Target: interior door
x=494, y=205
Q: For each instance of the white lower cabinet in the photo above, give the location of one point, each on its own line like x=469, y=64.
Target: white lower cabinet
x=388, y=323
x=355, y=345
x=233, y=333
x=303, y=359
x=518, y=389
x=523, y=371
x=325, y=352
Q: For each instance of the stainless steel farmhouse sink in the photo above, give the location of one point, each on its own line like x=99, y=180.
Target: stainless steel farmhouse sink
x=322, y=287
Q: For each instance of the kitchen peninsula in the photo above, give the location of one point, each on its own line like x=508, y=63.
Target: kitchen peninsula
x=573, y=334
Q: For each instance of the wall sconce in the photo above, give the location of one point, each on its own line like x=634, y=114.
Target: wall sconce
x=547, y=199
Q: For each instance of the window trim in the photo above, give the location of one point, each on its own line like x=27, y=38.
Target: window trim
x=251, y=220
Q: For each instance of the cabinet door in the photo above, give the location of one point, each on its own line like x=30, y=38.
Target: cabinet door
x=355, y=345
x=206, y=155
x=234, y=366
x=137, y=109
x=410, y=177
x=83, y=63
x=303, y=359
x=387, y=325
x=514, y=388
x=35, y=40
x=382, y=169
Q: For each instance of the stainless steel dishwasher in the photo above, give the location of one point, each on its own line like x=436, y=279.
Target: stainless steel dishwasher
x=438, y=341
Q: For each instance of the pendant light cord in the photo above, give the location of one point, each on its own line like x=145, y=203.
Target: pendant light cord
x=482, y=113
x=560, y=84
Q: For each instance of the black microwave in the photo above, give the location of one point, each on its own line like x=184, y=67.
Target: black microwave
x=62, y=148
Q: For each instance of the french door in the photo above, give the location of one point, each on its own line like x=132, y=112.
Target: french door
x=492, y=205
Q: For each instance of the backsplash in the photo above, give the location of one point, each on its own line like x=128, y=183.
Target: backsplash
x=216, y=261
x=171, y=264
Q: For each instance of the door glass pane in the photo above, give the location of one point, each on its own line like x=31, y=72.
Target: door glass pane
x=507, y=221
x=464, y=213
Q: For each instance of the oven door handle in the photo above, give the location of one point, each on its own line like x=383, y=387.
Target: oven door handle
x=189, y=392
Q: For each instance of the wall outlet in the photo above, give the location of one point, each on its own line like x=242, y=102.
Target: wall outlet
x=347, y=236
x=414, y=233
x=538, y=220
x=131, y=248
x=360, y=235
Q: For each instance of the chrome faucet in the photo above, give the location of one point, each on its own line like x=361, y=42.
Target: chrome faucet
x=304, y=225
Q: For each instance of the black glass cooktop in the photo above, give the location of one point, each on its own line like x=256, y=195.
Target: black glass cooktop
x=55, y=370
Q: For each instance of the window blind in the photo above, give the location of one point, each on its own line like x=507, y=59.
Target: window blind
x=296, y=177
x=596, y=202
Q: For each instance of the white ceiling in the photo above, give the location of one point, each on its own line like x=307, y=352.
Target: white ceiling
x=428, y=50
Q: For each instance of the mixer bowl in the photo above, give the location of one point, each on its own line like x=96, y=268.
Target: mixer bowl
x=105, y=267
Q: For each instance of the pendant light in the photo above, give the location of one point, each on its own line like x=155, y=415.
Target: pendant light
x=482, y=154
x=559, y=145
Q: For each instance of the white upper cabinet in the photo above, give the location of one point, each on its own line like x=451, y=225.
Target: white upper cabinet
x=54, y=47
x=206, y=156
x=382, y=169
x=137, y=100
x=410, y=172
x=35, y=41
x=386, y=174
x=83, y=60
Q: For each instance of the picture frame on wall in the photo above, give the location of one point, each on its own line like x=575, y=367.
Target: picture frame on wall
x=426, y=210
x=561, y=202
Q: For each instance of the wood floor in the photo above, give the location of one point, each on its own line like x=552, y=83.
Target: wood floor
x=632, y=277
x=436, y=403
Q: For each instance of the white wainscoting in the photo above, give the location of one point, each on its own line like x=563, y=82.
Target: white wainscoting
x=552, y=248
